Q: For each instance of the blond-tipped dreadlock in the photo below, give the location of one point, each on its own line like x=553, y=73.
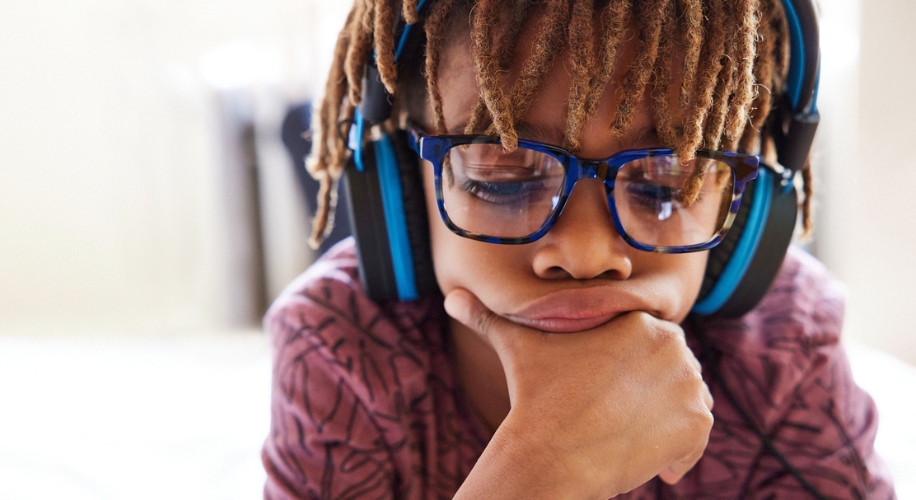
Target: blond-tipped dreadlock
x=692, y=20
x=651, y=14
x=547, y=44
x=582, y=62
x=733, y=56
x=662, y=74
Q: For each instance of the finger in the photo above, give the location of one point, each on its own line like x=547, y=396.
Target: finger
x=707, y=397
x=676, y=471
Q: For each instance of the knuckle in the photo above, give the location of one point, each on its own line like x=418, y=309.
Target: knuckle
x=668, y=343
x=636, y=320
x=701, y=424
x=700, y=414
x=666, y=337
x=707, y=420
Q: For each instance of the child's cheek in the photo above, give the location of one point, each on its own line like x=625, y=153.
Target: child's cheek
x=675, y=282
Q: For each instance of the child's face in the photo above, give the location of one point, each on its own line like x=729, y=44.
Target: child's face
x=582, y=273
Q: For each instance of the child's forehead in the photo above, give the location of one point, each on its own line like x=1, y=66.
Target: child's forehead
x=544, y=119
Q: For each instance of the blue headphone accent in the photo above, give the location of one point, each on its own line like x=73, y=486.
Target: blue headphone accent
x=393, y=202
x=797, y=56
x=745, y=249
x=817, y=87
x=357, y=132
x=402, y=43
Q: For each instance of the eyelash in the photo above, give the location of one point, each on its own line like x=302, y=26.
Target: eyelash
x=488, y=191
x=650, y=202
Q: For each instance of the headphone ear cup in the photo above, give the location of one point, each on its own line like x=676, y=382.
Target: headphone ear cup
x=721, y=253
x=770, y=254
x=388, y=216
x=741, y=269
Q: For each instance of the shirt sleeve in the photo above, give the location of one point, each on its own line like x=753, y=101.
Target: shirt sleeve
x=324, y=441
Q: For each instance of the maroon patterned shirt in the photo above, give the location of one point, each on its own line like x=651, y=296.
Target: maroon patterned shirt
x=366, y=403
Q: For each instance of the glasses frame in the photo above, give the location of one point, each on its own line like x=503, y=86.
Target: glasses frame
x=434, y=149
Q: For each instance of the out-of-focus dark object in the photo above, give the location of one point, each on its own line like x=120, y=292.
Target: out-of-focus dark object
x=296, y=134
x=245, y=268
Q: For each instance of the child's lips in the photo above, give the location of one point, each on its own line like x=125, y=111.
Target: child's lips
x=563, y=325
x=570, y=311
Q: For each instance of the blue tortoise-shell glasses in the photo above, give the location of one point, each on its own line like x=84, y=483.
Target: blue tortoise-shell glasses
x=657, y=203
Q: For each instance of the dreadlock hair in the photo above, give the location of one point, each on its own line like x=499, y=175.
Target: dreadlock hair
x=733, y=58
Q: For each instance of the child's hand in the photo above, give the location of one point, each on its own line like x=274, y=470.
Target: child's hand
x=594, y=413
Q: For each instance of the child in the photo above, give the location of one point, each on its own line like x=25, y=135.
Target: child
x=558, y=357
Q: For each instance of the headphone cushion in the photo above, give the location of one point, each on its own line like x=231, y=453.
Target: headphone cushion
x=768, y=243
x=721, y=253
x=367, y=222
x=415, y=213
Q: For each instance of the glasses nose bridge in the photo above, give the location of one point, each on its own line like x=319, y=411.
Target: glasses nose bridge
x=593, y=169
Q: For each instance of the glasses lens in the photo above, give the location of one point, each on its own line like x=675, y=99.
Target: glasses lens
x=661, y=202
x=489, y=191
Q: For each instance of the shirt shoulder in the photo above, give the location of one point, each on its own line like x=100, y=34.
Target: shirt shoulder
x=804, y=294
x=802, y=312
x=769, y=355
x=373, y=346
x=357, y=382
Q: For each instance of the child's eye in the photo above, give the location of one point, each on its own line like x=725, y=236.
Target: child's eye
x=650, y=195
x=656, y=200
x=505, y=192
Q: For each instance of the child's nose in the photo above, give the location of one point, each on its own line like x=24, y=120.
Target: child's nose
x=584, y=243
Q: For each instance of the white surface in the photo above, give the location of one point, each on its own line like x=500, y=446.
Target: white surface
x=892, y=384
x=156, y=418
x=185, y=417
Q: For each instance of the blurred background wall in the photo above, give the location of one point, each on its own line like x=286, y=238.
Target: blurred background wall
x=120, y=160
x=867, y=226
x=123, y=162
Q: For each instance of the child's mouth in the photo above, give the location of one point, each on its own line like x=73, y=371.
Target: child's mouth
x=563, y=325
x=575, y=310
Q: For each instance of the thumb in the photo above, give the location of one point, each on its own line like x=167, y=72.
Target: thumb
x=465, y=307
x=506, y=338
x=497, y=331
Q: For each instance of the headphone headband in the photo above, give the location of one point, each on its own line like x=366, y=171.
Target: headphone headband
x=795, y=124
x=804, y=62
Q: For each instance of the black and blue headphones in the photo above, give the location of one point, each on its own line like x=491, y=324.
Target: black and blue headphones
x=388, y=213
